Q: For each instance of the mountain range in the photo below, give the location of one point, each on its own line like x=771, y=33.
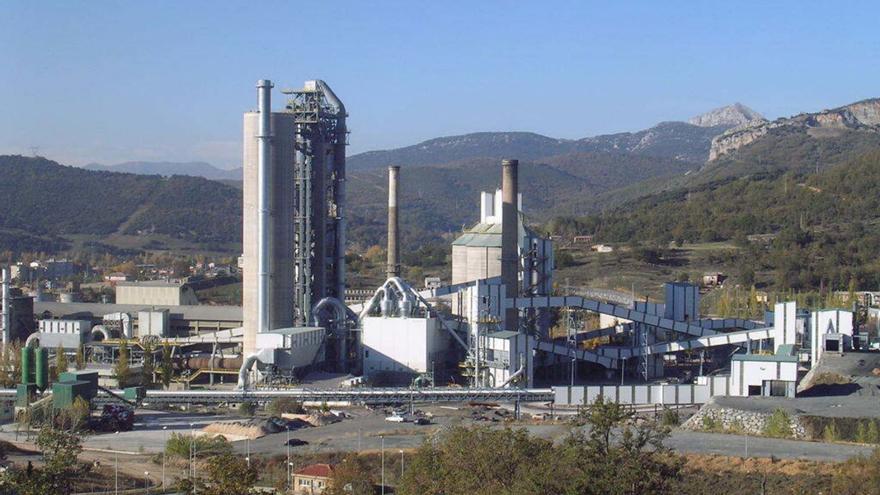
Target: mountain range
x=167, y=169
x=440, y=180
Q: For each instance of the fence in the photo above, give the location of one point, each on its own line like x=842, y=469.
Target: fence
x=671, y=395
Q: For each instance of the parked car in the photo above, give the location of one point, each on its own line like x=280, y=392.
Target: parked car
x=295, y=442
x=395, y=418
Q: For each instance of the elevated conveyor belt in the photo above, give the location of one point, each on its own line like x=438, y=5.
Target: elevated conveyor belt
x=608, y=309
x=563, y=349
x=355, y=395
x=684, y=345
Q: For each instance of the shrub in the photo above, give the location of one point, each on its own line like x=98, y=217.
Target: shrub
x=247, y=408
x=180, y=445
x=285, y=405
x=778, y=425
x=670, y=417
x=830, y=433
x=709, y=423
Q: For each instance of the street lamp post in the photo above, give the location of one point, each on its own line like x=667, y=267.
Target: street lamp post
x=164, y=448
x=401, y=463
x=146, y=479
x=192, y=438
x=288, y=457
x=383, y=464
x=248, y=458
x=116, y=470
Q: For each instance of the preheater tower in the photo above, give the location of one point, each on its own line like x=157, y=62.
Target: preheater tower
x=303, y=235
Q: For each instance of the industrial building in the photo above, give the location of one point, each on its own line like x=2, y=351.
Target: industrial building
x=488, y=329
x=155, y=293
x=294, y=225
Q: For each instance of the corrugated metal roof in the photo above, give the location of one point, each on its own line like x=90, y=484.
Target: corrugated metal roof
x=488, y=235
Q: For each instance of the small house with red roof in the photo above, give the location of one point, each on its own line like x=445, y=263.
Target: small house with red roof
x=312, y=479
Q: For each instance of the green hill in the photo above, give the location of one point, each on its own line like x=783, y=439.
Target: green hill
x=51, y=203
x=823, y=226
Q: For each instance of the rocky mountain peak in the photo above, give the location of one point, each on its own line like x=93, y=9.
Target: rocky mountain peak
x=731, y=116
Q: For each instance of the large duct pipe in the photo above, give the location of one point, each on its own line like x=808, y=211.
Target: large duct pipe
x=264, y=95
x=6, y=317
x=510, y=238
x=393, y=268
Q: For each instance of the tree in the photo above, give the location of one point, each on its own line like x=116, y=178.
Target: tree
x=166, y=368
x=438, y=468
x=147, y=367
x=9, y=364
x=616, y=457
x=75, y=416
x=351, y=477
x=225, y=474
x=180, y=267
x=60, y=451
x=121, y=368
x=61, y=363
x=80, y=358
x=284, y=405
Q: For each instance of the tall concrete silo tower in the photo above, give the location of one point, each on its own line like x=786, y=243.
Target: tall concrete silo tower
x=294, y=227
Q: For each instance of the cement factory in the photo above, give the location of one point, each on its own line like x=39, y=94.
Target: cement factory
x=486, y=335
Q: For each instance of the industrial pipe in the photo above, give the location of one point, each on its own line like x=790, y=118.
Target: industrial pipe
x=264, y=95
x=336, y=304
x=510, y=238
x=393, y=266
x=246, y=366
x=522, y=368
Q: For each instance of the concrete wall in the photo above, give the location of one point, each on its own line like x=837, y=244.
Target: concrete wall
x=281, y=225
x=784, y=324
x=295, y=348
x=156, y=323
x=406, y=345
x=643, y=394
x=155, y=295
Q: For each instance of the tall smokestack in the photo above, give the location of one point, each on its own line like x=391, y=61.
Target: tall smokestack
x=510, y=237
x=393, y=268
x=264, y=95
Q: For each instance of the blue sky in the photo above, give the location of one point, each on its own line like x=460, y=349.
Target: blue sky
x=112, y=81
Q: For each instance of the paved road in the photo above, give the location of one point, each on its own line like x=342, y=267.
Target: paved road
x=736, y=445
x=364, y=432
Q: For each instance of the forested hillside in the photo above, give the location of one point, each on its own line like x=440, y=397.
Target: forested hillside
x=824, y=226
x=46, y=201
x=438, y=201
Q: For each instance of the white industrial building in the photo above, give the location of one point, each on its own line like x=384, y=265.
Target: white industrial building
x=403, y=345
x=765, y=374
x=155, y=293
x=831, y=331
